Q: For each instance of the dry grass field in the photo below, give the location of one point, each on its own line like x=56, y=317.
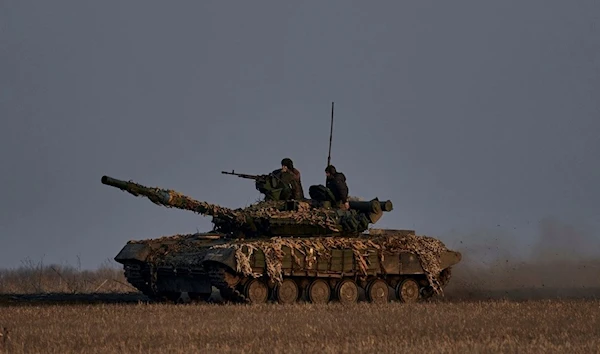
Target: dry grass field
x=540, y=326
x=38, y=278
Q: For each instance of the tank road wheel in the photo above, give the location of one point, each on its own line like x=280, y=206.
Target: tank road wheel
x=256, y=291
x=347, y=292
x=287, y=292
x=319, y=292
x=221, y=279
x=408, y=290
x=377, y=291
x=231, y=279
x=427, y=292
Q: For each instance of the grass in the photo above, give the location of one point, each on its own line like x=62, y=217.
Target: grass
x=37, y=278
x=491, y=326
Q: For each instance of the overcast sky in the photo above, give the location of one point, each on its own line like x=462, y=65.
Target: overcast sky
x=478, y=119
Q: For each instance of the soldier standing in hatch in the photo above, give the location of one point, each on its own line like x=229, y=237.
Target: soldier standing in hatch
x=291, y=176
x=336, y=183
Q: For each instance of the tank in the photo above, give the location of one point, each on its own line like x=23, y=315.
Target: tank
x=286, y=251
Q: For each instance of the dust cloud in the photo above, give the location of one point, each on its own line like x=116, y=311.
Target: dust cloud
x=563, y=262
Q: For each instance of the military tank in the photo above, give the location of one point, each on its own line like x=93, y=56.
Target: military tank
x=285, y=250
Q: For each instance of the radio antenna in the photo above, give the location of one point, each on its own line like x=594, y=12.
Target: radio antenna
x=330, y=136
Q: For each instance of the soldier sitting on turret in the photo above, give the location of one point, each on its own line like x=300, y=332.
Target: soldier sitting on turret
x=336, y=183
x=290, y=176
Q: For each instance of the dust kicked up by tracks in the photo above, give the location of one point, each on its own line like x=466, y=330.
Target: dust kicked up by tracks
x=562, y=263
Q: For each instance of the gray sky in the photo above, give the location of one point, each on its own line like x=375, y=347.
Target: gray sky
x=466, y=114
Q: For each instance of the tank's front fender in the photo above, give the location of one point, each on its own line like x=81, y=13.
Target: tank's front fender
x=133, y=252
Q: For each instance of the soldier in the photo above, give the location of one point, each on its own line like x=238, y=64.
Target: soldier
x=291, y=176
x=336, y=183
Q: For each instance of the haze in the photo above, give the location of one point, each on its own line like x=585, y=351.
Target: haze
x=479, y=120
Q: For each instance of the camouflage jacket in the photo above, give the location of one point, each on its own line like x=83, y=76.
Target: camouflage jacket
x=292, y=178
x=337, y=185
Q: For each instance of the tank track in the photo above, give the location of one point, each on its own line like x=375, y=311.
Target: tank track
x=217, y=275
x=139, y=275
x=144, y=277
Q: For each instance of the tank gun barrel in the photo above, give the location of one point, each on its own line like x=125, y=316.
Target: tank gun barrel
x=169, y=198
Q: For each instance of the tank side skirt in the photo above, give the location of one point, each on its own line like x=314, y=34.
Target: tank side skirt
x=342, y=263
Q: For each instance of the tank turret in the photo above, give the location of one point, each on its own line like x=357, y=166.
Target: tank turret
x=269, y=217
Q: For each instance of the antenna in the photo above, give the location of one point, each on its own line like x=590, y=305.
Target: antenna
x=330, y=136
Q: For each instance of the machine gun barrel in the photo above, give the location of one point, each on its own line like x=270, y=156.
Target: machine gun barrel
x=243, y=175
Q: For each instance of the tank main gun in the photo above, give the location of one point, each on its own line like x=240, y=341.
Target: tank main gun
x=171, y=199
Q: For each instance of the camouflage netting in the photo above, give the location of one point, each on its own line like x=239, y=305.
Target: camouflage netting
x=180, y=201
x=175, y=250
x=173, y=199
x=427, y=248
x=158, y=240
x=265, y=209
x=305, y=214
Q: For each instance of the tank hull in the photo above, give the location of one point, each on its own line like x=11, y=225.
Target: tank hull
x=380, y=267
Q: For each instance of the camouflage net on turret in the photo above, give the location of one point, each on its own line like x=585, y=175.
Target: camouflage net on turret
x=262, y=210
x=303, y=215
x=427, y=248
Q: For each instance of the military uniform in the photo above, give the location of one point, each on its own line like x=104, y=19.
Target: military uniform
x=291, y=177
x=336, y=183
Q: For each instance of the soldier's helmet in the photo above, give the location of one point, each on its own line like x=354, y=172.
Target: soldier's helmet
x=288, y=163
x=330, y=169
